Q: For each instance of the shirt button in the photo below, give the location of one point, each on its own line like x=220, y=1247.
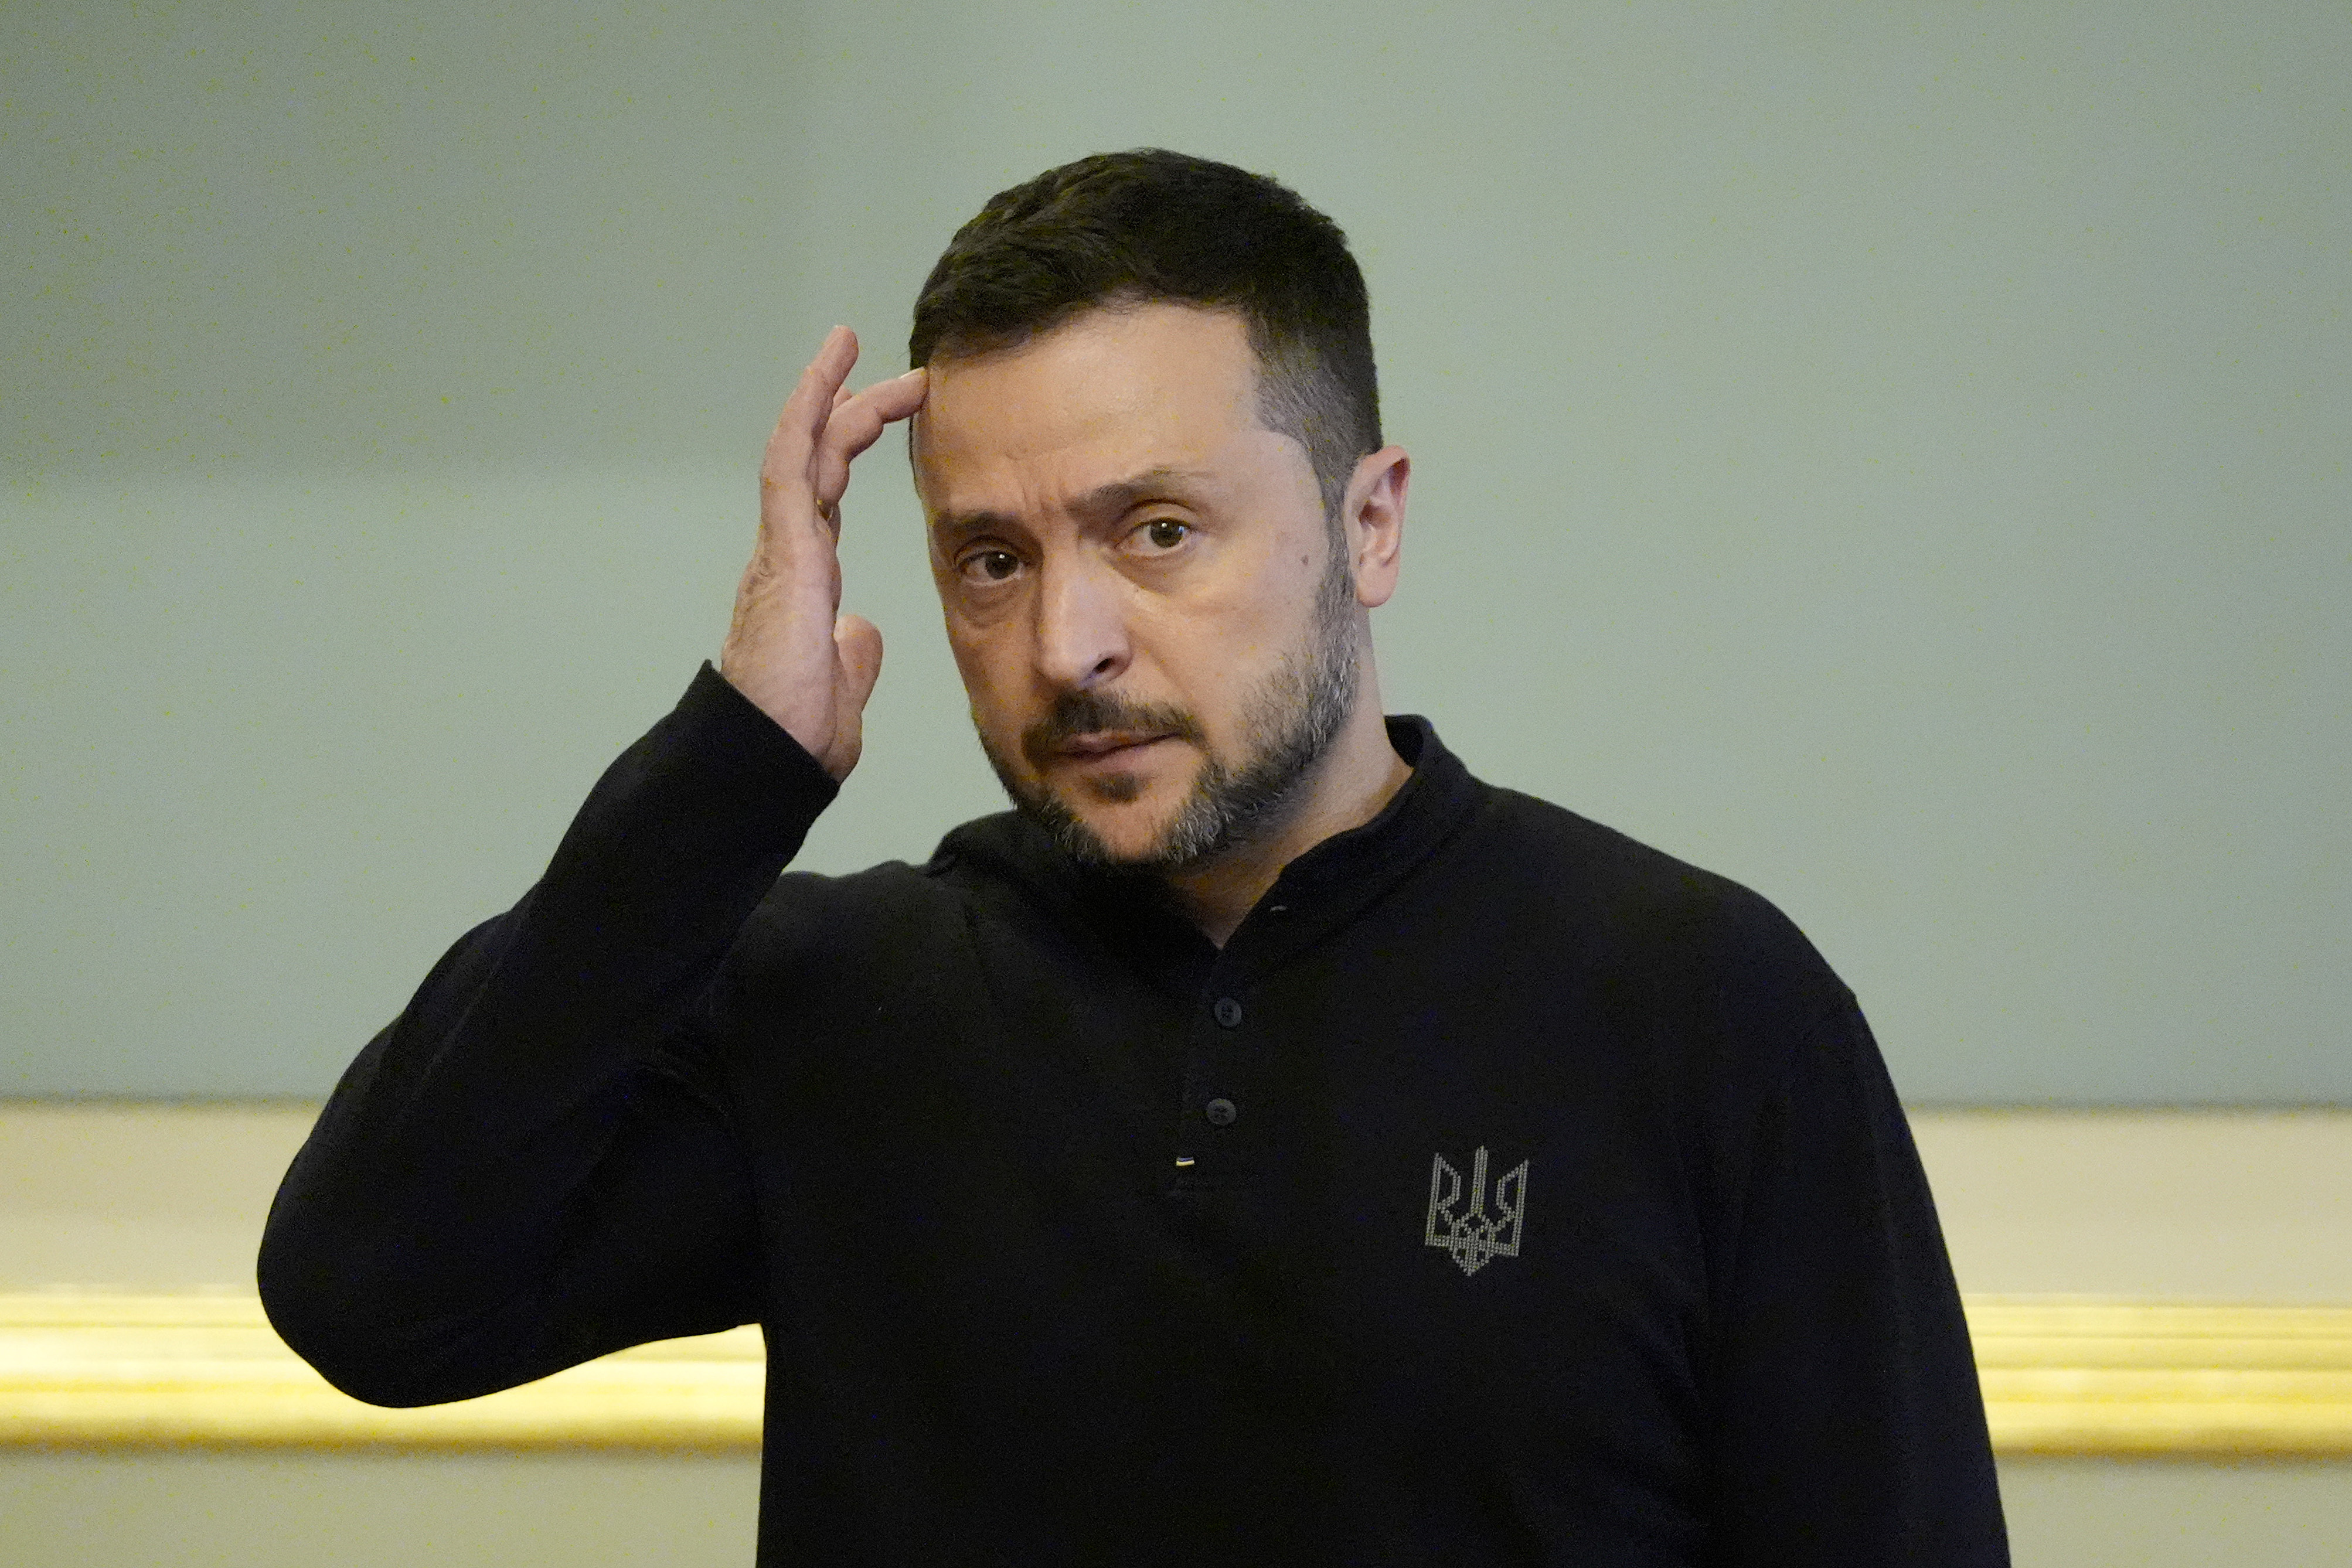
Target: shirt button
x=1228, y=1011
x=1221, y=1112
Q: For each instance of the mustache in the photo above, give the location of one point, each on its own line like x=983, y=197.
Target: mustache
x=1079, y=713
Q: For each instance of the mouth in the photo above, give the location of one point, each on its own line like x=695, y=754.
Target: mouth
x=1096, y=741
x=1115, y=746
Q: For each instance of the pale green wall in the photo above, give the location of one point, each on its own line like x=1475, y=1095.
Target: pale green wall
x=1892, y=455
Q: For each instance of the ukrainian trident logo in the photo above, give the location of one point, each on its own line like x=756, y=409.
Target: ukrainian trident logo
x=1472, y=1236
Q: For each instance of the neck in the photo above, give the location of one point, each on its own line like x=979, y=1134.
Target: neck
x=1345, y=789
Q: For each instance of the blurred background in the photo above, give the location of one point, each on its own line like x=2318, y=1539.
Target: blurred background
x=1893, y=456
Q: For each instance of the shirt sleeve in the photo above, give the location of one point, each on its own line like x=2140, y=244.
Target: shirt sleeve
x=1848, y=1424
x=529, y=1168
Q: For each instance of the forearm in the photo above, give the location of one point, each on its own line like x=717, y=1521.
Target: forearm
x=473, y=1151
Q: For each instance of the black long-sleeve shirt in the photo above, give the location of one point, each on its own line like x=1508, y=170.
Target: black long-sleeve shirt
x=1502, y=1192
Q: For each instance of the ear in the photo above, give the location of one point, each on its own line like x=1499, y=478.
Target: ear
x=1372, y=519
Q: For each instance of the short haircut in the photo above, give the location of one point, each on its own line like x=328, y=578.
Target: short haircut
x=1150, y=225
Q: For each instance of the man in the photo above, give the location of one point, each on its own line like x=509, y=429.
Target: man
x=1266, y=1144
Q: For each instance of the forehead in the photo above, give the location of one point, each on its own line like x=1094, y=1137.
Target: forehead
x=1111, y=393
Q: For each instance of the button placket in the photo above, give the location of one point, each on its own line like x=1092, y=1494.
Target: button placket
x=1215, y=1145
x=1221, y=1111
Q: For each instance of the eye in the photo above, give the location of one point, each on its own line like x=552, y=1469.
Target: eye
x=989, y=565
x=1166, y=533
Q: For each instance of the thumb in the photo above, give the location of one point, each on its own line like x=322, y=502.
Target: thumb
x=858, y=647
x=858, y=663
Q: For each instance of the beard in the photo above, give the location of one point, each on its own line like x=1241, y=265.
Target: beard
x=1289, y=723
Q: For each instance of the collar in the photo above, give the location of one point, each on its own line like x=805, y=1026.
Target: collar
x=1336, y=881
x=1317, y=893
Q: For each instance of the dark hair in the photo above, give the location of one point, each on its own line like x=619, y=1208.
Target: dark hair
x=1133, y=227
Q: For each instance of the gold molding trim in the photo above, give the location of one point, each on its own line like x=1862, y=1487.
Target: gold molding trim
x=2064, y=1375
x=2060, y=1376
x=111, y=1371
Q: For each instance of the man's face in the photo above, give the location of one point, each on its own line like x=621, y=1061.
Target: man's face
x=1156, y=631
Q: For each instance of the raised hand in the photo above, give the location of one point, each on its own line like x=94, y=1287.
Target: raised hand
x=790, y=649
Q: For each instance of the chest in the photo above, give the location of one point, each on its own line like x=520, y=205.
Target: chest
x=1417, y=1183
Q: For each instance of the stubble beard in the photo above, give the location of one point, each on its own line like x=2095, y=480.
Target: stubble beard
x=1289, y=723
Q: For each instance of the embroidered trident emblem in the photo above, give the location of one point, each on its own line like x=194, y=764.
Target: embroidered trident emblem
x=1470, y=1235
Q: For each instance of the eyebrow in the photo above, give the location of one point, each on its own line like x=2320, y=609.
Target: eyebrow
x=1103, y=500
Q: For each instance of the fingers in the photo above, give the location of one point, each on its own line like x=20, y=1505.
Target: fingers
x=857, y=423
x=824, y=426
x=806, y=411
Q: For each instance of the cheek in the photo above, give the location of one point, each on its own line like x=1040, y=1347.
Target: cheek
x=991, y=674
x=1208, y=642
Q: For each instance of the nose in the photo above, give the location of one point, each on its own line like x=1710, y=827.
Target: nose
x=1082, y=634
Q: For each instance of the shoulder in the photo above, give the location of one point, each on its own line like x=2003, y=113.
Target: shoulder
x=886, y=907
x=833, y=957
x=1639, y=920
x=1694, y=986
x=808, y=914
